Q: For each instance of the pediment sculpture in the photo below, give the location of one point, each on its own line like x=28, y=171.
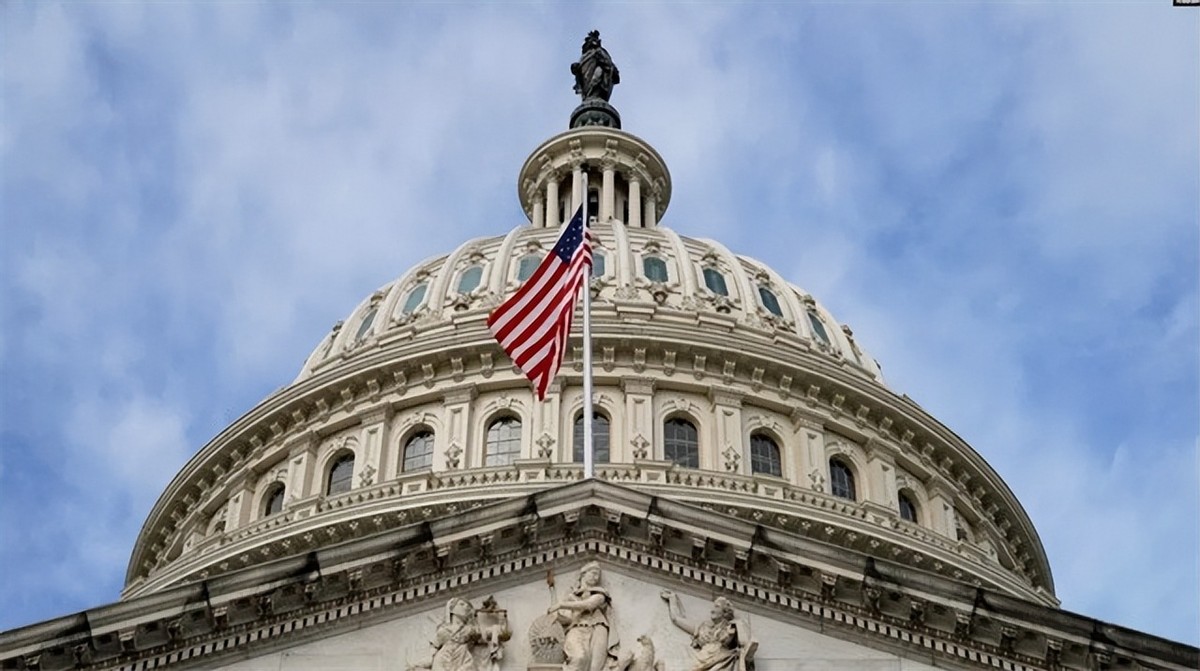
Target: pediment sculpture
x=467, y=639
x=720, y=643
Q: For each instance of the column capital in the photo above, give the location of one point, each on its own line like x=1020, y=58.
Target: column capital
x=807, y=419
x=464, y=394
x=380, y=414
x=877, y=449
x=936, y=485
x=725, y=397
x=633, y=385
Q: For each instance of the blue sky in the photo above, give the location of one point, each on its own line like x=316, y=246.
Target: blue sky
x=1001, y=199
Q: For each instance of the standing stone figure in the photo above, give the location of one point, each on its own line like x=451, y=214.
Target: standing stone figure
x=595, y=73
x=459, y=633
x=722, y=642
x=584, y=616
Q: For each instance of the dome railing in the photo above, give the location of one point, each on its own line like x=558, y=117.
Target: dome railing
x=765, y=499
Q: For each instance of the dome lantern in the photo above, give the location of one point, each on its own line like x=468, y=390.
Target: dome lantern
x=628, y=180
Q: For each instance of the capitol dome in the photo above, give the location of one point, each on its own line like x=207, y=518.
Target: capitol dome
x=407, y=501
x=717, y=382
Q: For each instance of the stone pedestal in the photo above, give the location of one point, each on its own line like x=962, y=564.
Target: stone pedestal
x=595, y=112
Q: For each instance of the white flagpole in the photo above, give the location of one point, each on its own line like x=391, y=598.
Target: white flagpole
x=588, y=461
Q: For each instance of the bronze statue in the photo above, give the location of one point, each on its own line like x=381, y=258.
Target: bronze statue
x=595, y=73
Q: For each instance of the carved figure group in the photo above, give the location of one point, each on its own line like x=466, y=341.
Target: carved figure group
x=722, y=642
x=578, y=633
x=459, y=634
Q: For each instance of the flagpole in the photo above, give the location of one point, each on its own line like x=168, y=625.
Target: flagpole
x=588, y=460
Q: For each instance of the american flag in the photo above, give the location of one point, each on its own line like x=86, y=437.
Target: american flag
x=533, y=325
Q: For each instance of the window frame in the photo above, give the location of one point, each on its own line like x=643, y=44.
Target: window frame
x=515, y=437
x=577, y=438
x=763, y=292
x=849, y=486
x=673, y=443
x=420, y=292
x=462, y=276
x=534, y=260
x=334, y=463
x=903, y=497
x=276, y=491
x=646, y=260
x=599, y=262
x=423, y=432
x=713, y=276
x=755, y=459
x=817, y=326
x=365, y=324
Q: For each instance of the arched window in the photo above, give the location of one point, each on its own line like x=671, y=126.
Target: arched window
x=365, y=326
x=273, y=501
x=418, y=452
x=597, y=263
x=599, y=438
x=681, y=444
x=715, y=281
x=503, y=442
x=770, y=302
x=654, y=268
x=526, y=266
x=841, y=480
x=818, y=327
x=470, y=279
x=415, y=297
x=908, y=509
x=764, y=455
x=339, y=475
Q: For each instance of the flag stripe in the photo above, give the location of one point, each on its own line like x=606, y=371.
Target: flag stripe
x=549, y=313
x=533, y=325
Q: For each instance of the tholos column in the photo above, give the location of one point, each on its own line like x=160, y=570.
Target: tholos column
x=634, y=207
x=576, y=188
x=607, y=194
x=651, y=211
x=552, y=202
x=539, y=212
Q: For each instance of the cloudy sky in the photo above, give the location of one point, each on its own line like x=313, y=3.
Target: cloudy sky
x=1001, y=199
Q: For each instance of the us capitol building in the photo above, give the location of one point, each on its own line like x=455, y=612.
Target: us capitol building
x=762, y=499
